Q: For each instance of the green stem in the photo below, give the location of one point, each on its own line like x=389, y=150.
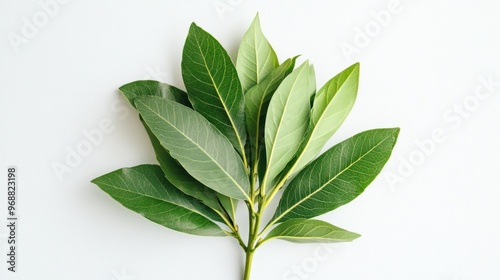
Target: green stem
x=251, y=240
x=248, y=264
x=253, y=232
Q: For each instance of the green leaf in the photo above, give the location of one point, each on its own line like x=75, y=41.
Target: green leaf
x=153, y=88
x=179, y=177
x=332, y=104
x=256, y=58
x=310, y=231
x=199, y=146
x=213, y=85
x=173, y=171
x=338, y=176
x=145, y=190
x=257, y=102
x=287, y=119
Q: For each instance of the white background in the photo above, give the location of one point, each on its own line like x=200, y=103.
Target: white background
x=438, y=221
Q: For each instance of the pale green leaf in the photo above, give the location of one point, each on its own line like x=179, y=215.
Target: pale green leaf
x=256, y=58
x=310, y=231
x=287, y=119
x=199, y=147
x=332, y=104
x=257, y=102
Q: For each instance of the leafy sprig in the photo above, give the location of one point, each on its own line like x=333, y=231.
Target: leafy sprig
x=242, y=133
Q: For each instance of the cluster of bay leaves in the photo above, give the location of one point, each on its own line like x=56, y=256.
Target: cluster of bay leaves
x=245, y=131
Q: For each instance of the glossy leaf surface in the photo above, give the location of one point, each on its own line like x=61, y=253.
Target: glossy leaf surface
x=213, y=86
x=145, y=190
x=337, y=176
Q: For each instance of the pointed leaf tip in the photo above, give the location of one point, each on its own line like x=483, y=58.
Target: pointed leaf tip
x=256, y=57
x=213, y=86
x=331, y=106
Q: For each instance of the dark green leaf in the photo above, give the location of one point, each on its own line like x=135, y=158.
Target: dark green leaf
x=256, y=58
x=310, y=231
x=199, y=147
x=145, y=190
x=338, y=176
x=213, y=85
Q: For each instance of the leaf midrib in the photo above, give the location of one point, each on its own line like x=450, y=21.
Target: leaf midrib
x=261, y=42
x=255, y=53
